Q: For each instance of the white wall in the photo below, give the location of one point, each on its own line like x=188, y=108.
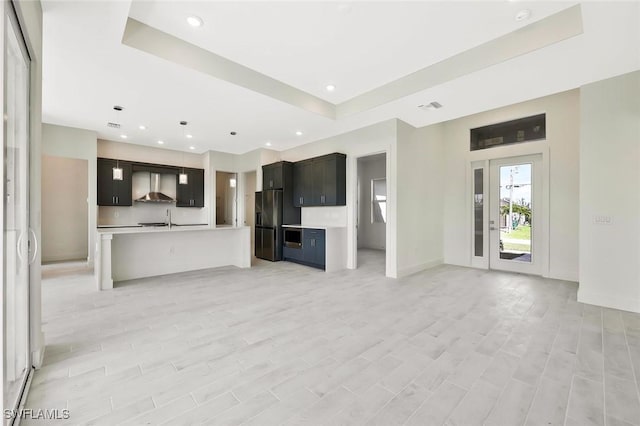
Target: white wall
x=561, y=151
x=610, y=188
x=370, y=235
x=147, y=154
x=247, y=201
x=374, y=139
x=65, y=212
x=69, y=142
x=420, y=198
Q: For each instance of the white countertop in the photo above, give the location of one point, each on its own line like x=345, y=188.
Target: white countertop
x=314, y=226
x=134, y=229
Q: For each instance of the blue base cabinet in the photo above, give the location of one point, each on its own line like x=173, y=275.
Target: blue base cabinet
x=312, y=252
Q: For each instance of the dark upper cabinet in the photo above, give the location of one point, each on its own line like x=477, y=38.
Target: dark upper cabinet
x=273, y=175
x=190, y=194
x=280, y=176
x=303, y=183
x=114, y=192
x=321, y=181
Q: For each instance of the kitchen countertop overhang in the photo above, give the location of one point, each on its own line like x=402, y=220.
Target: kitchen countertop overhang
x=137, y=229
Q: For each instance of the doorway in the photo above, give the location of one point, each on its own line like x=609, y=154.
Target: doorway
x=226, y=202
x=371, y=223
x=65, y=210
x=514, y=214
x=20, y=244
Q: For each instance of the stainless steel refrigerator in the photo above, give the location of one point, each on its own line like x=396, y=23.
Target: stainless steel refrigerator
x=268, y=242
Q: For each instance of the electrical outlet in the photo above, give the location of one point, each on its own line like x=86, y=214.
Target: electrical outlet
x=116, y=214
x=602, y=220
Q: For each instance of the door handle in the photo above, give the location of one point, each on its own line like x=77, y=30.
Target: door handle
x=19, y=246
x=35, y=244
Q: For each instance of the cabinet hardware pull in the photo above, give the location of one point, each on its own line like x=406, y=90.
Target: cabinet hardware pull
x=301, y=200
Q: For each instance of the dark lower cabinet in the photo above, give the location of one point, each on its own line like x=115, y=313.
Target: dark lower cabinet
x=313, y=246
x=312, y=252
x=190, y=194
x=114, y=192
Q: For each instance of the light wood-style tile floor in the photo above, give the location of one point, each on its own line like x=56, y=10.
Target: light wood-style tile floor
x=284, y=344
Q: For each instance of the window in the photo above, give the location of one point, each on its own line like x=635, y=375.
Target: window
x=514, y=131
x=378, y=201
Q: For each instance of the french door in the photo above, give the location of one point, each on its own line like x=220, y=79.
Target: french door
x=19, y=248
x=508, y=214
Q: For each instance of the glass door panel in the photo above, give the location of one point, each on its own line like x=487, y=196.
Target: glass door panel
x=515, y=198
x=16, y=212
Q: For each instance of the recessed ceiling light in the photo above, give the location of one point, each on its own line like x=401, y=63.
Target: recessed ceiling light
x=299, y=133
x=523, y=15
x=142, y=127
x=195, y=21
x=123, y=136
x=160, y=142
x=192, y=147
x=268, y=144
x=189, y=136
x=330, y=87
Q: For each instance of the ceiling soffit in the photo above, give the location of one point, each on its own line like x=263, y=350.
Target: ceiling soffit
x=548, y=31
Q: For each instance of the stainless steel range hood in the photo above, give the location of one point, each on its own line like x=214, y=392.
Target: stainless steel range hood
x=154, y=195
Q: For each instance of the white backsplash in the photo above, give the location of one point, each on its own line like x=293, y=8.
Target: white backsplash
x=150, y=212
x=324, y=216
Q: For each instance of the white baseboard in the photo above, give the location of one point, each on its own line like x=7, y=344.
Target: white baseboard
x=609, y=301
x=410, y=270
x=38, y=357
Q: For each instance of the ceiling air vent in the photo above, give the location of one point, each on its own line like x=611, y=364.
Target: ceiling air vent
x=113, y=125
x=430, y=106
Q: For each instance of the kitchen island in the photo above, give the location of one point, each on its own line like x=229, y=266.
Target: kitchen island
x=126, y=253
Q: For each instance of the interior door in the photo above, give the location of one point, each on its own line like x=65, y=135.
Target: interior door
x=17, y=241
x=515, y=214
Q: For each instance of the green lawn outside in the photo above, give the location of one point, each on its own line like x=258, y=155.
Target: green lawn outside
x=526, y=248
x=522, y=232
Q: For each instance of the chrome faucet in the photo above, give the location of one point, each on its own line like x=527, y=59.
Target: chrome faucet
x=169, y=218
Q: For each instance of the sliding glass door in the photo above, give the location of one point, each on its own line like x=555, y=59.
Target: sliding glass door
x=17, y=233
